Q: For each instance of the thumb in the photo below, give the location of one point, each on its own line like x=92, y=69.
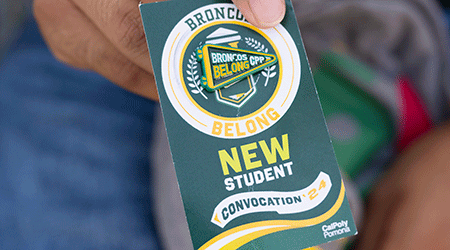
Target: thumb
x=262, y=13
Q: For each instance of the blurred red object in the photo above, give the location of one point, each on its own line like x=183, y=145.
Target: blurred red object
x=414, y=117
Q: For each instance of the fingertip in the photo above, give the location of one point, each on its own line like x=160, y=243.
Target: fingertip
x=262, y=13
x=267, y=13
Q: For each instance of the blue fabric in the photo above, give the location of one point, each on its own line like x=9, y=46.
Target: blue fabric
x=74, y=156
x=447, y=14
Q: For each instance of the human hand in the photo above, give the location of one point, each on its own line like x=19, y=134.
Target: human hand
x=410, y=207
x=108, y=36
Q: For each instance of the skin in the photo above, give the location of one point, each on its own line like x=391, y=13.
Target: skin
x=409, y=208
x=107, y=36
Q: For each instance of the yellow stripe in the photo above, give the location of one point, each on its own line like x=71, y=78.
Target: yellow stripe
x=282, y=225
x=292, y=64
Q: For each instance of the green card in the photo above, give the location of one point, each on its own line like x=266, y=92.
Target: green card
x=253, y=158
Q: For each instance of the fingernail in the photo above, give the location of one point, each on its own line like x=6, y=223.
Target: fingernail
x=268, y=12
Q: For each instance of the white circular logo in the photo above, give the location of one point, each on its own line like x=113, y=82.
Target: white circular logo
x=227, y=78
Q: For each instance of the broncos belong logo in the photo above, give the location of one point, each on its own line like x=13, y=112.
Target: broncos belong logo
x=224, y=66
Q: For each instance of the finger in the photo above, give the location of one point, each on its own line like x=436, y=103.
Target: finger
x=120, y=22
x=262, y=13
x=75, y=40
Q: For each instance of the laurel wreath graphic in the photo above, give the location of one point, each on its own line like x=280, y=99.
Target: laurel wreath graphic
x=258, y=46
x=194, y=78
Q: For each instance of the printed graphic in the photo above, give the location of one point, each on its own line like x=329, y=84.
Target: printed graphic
x=270, y=201
x=253, y=158
x=335, y=229
x=227, y=78
x=224, y=66
x=239, y=236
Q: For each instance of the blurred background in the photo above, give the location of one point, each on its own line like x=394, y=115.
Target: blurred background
x=74, y=150
x=84, y=164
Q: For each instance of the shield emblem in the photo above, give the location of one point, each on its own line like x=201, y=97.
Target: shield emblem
x=238, y=93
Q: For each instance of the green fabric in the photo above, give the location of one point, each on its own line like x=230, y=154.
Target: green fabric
x=367, y=125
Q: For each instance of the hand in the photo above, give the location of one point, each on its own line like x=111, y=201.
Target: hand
x=410, y=207
x=108, y=37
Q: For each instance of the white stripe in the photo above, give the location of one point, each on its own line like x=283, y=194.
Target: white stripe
x=224, y=40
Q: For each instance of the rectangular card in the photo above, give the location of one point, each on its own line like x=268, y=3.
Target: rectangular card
x=251, y=150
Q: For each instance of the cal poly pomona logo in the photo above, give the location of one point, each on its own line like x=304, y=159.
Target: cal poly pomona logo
x=227, y=78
